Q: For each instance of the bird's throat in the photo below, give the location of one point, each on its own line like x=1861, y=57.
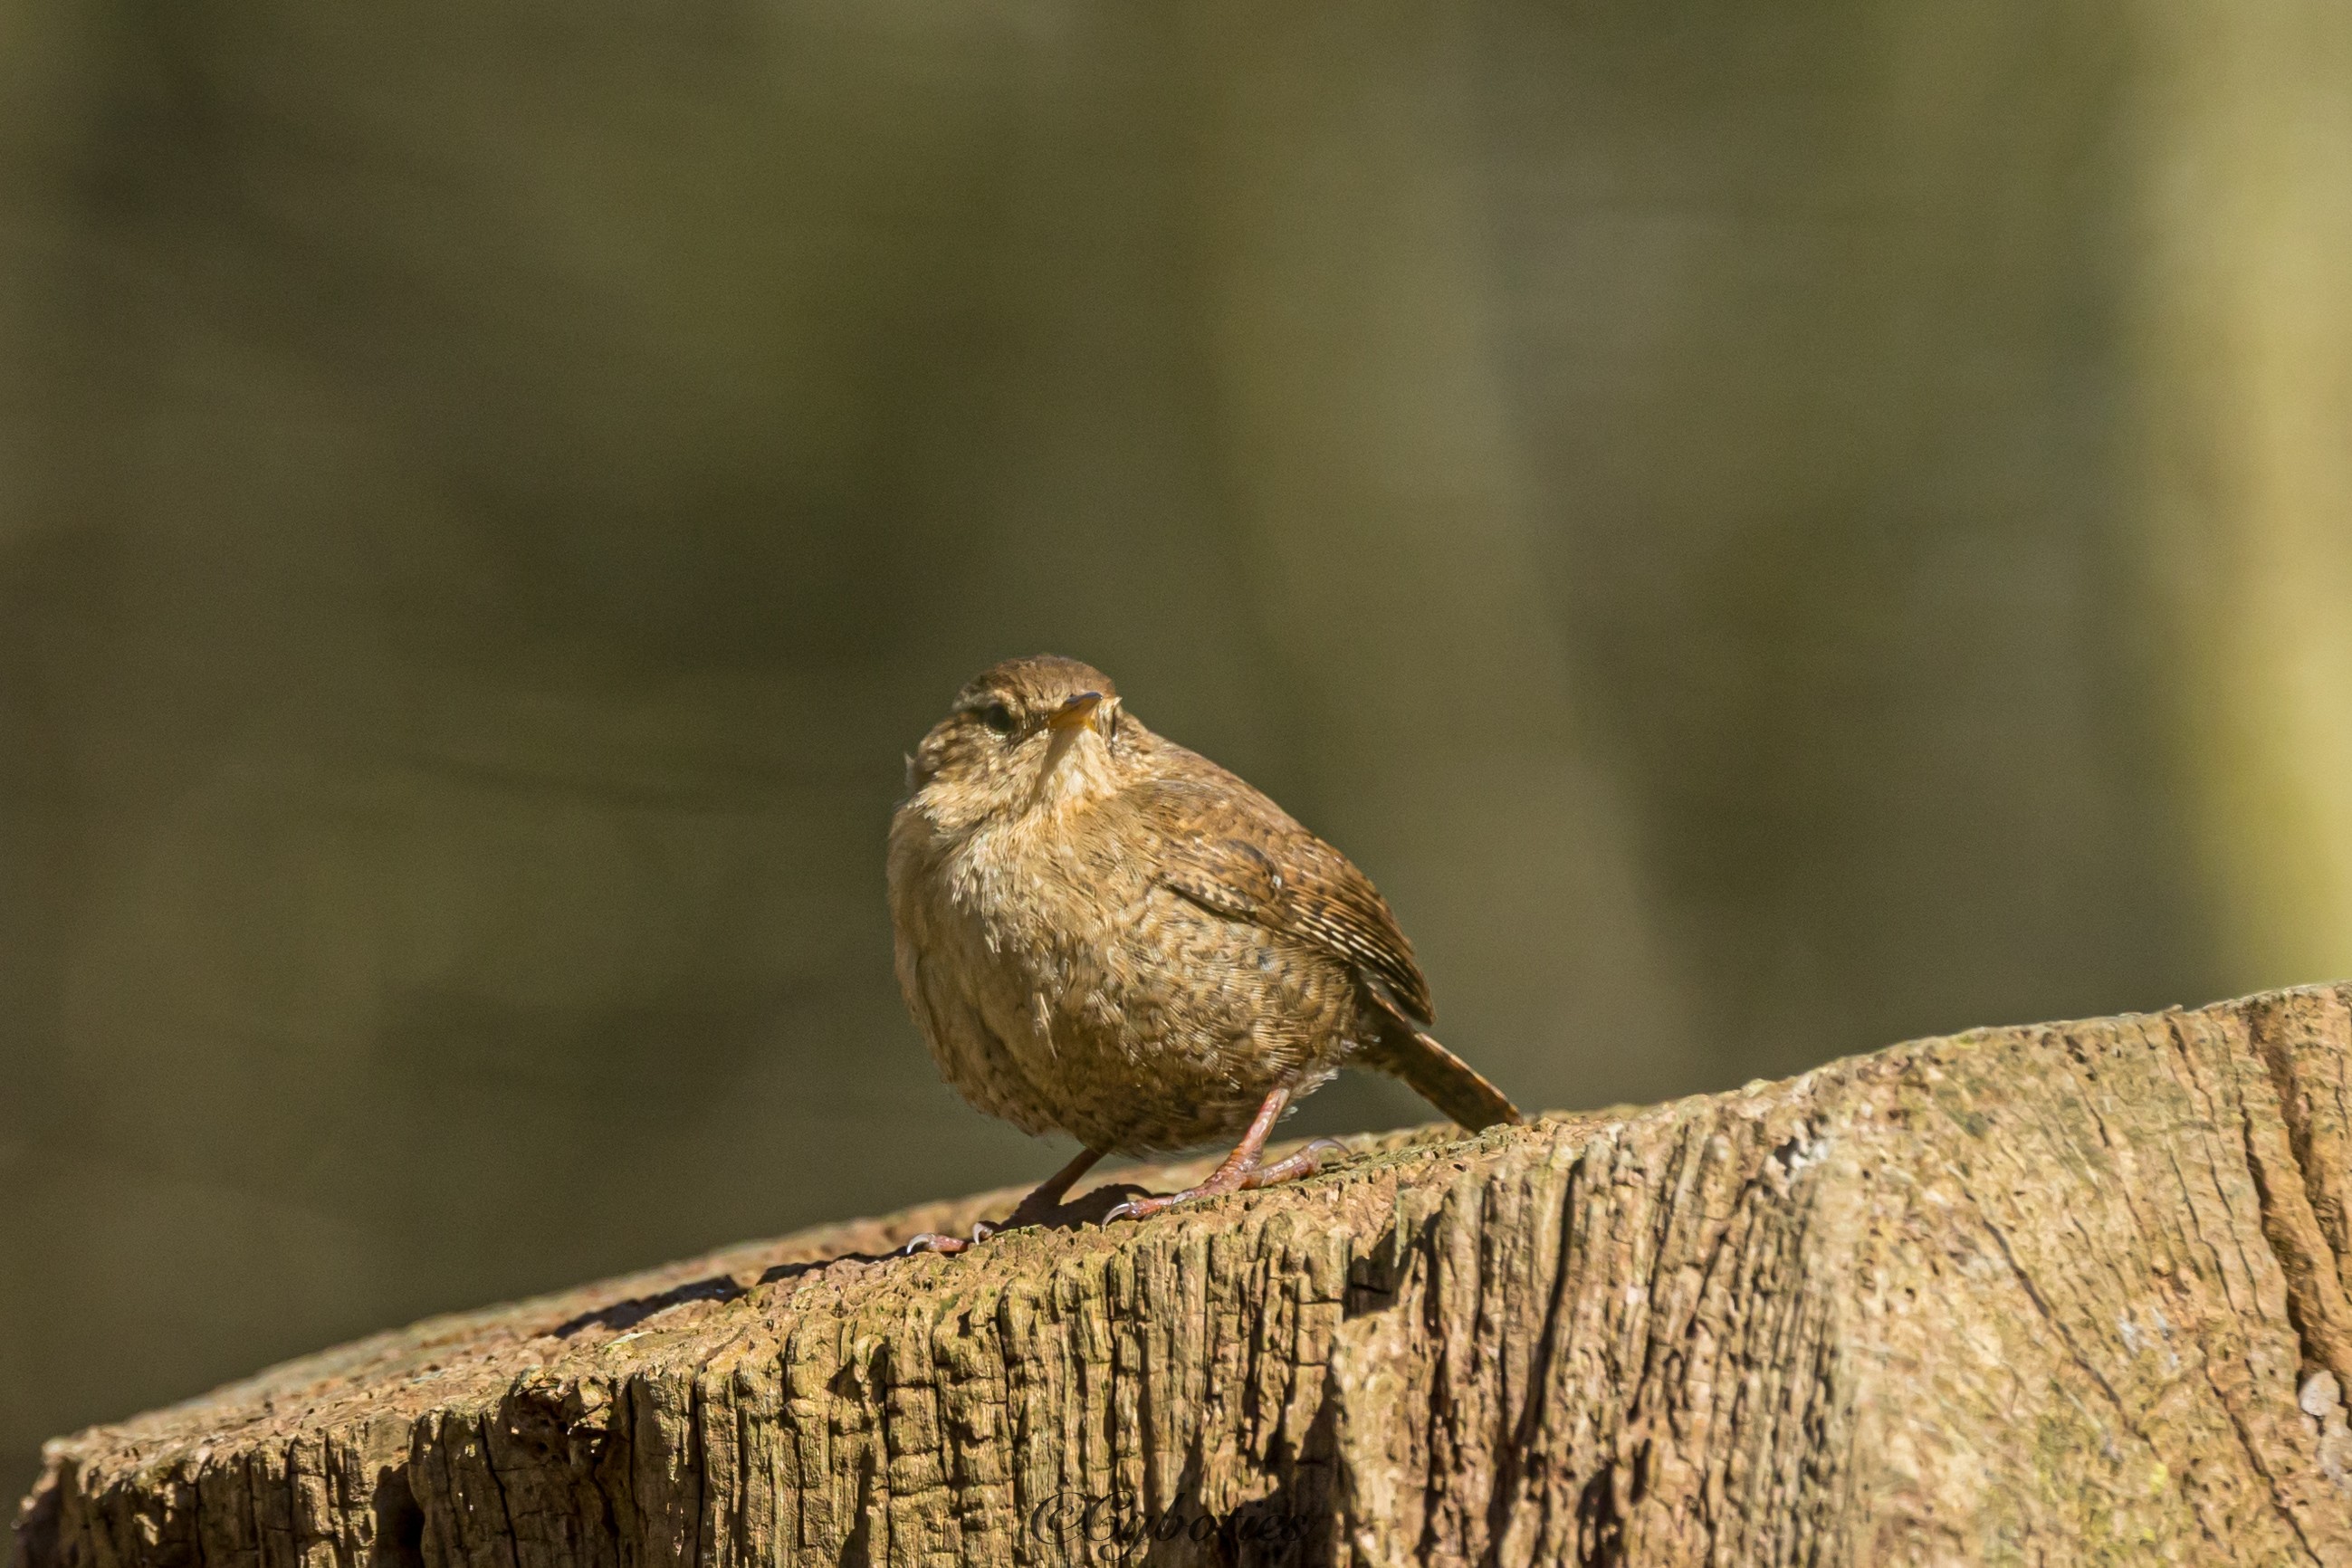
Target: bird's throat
x=1076, y=772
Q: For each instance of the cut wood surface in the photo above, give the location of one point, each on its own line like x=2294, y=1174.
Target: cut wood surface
x=2070, y=1293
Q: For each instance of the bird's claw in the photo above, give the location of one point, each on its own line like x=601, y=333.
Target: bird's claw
x=947, y=1246
x=1305, y=1163
x=932, y=1241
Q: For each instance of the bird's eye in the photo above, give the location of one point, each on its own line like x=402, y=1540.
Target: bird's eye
x=997, y=717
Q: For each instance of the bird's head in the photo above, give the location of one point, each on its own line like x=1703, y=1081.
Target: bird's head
x=1030, y=733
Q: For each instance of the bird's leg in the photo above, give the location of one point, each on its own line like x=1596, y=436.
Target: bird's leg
x=1035, y=1209
x=1039, y=1206
x=1240, y=1170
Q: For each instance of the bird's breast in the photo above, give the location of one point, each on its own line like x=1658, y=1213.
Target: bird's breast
x=1041, y=896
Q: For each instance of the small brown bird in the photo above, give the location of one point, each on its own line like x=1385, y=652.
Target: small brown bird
x=1102, y=933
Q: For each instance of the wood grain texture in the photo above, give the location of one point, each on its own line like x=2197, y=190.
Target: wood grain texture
x=2072, y=1293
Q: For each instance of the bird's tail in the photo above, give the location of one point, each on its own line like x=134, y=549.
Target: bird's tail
x=1436, y=1074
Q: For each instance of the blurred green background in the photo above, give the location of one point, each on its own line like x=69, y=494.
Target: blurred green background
x=1767, y=530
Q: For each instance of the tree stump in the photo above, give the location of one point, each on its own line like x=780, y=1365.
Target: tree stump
x=2070, y=1293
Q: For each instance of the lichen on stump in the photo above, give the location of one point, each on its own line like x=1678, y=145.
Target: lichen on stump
x=2067, y=1293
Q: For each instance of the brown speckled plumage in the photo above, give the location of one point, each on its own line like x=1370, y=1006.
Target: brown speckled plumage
x=1102, y=933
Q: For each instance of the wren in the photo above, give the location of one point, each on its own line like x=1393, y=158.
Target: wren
x=1104, y=934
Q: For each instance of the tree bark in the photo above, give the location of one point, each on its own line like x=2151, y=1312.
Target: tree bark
x=2069, y=1293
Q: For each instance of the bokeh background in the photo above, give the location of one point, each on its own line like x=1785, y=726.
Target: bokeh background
x=1768, y=529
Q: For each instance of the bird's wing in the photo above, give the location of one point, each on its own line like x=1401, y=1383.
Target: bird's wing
x=1233, y=852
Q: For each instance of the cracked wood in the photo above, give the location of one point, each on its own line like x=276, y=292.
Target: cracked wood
x=2067, y=1293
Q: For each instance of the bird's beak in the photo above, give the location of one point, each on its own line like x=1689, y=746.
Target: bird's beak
x=1076, y=713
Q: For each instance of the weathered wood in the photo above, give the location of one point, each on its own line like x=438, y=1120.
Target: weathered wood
x=2072, y=1293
